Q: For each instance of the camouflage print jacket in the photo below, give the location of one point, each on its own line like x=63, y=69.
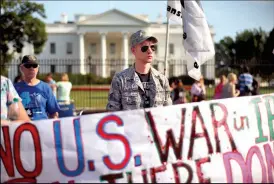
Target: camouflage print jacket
x=126, y=91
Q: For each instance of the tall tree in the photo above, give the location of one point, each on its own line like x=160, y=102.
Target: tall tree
x=260, y=37
x=224, y=50
x=249, y=45
x=268, y=54
x=20, y=25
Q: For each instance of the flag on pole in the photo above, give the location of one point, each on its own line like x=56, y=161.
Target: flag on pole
x=174, y=11
x=198, y=43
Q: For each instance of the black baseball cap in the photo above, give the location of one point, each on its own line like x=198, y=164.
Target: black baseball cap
x=29, y=59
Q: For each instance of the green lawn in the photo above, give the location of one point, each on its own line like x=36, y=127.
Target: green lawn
x=98, y=99
x=90, y=100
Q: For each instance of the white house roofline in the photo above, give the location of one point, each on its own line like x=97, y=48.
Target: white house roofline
x=94, y=17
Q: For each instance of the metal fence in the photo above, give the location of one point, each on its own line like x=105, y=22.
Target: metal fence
x=90, y=91
x=109, y=66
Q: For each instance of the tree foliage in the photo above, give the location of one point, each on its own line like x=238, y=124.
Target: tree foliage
x=224, y=50
x=250, y=44
x=20, y=24
x=251, y=47
x=268, y=54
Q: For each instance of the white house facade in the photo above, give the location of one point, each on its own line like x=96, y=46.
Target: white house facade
x=99, y=44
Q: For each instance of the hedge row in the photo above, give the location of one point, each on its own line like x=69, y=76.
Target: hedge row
x=88, y=79
x=79, y=79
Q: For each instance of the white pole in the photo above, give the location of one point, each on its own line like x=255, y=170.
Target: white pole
x=166, y=49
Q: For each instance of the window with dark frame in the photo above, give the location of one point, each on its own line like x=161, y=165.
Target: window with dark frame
x=18, y=69
x=52, y=48
x=171, y=69
x=69, y=48
x=92, y=48
x=112, y=73
x=171, y=48
x=52, y=69
x=69, y=68
x=112, y=48
x=156, y=49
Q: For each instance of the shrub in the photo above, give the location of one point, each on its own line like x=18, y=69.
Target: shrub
x=79, y=79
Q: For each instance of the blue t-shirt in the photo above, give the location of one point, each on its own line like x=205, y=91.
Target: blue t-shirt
x=38, y=100
x=245, y=79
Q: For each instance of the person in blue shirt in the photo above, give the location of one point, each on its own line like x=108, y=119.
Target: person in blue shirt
x=245, y=82
x=52, y=83
x=37, y=96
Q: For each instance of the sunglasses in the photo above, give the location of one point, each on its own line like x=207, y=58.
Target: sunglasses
x=145, y=48
x=31, y=65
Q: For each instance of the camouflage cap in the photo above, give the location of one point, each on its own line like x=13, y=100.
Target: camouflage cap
x=29, y=59
x=139, y=37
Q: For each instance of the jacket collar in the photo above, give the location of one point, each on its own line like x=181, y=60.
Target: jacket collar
x=134, y=76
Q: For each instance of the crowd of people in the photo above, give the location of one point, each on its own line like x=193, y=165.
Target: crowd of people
x=197, y=91
x=29, y=98
x=233, y=86
x=61, y=89
x=139, y=86
x=229, y=86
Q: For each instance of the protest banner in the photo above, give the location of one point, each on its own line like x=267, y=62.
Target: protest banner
x=229, y=140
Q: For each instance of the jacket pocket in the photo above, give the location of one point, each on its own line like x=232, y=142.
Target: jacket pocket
x=130, y=98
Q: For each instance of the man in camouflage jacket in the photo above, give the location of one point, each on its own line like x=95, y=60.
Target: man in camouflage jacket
x=139, y=86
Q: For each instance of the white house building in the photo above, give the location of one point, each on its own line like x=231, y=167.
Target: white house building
x=99, y=44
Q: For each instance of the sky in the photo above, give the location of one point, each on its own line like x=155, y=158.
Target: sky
x=227, y=17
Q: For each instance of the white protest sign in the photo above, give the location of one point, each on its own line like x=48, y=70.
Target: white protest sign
x=229, y=140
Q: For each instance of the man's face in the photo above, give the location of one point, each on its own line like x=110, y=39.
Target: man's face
x=30, y=70
x=144, y=51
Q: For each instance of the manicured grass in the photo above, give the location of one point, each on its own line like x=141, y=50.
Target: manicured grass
x=90, y=99
x=98, y=99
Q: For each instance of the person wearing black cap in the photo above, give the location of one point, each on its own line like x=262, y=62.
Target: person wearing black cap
x=139, y=86
x=37, y=96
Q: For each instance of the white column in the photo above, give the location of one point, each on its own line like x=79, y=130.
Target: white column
x=103, y=54
x=125, y=44
x=82, y=53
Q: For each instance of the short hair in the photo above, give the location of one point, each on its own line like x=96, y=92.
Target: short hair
x=222, y=77
x=49, y=75
x=176, y=81
x=64, y=77
x=18, y=78
x=231, y=77
x=171, y=80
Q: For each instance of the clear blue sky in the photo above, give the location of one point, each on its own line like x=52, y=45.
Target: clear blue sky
x=227, y=17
